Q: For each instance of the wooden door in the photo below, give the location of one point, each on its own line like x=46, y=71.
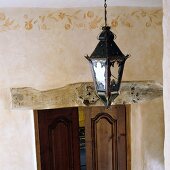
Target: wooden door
x=58, y=139
x=106, y=138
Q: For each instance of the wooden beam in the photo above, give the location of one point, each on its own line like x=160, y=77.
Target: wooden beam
x=82, y=94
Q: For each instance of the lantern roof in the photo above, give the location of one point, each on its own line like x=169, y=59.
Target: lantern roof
x=107, y=47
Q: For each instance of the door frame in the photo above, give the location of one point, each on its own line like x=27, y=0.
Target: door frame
x=37, y=140
x=128, y=137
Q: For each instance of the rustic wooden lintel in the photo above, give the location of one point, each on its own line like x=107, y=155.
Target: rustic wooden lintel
x=82, y=94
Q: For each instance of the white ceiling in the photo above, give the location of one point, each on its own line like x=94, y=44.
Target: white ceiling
x=77, y=3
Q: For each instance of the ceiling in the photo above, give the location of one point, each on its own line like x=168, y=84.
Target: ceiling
x=77, y=3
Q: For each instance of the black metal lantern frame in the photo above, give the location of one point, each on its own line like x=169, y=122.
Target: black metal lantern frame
x=107, y=65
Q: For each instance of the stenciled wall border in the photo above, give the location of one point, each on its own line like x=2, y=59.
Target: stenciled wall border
x=80, y=19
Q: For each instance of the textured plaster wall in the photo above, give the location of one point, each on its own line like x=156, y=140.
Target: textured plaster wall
x=147, y=136
x=44, y=49
x=17, y=146
x=48, y=44
x=166, y=81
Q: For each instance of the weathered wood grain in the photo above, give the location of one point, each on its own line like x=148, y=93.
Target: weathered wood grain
x=82, y=94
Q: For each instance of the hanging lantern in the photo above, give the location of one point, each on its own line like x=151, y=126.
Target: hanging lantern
x=107, y=64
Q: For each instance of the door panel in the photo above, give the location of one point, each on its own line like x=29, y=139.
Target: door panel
x=103, y=129
x=106, y=138
x=59, y=140
x=60, y=148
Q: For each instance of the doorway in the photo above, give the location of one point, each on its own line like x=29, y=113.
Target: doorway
x=84, y=138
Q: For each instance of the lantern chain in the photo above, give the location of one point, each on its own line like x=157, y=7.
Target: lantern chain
x=105, y=13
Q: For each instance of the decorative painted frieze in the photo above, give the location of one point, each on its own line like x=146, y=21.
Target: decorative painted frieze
x=88, y=19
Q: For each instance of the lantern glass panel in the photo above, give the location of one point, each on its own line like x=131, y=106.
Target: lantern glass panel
x=114, y=73
x=99, y=69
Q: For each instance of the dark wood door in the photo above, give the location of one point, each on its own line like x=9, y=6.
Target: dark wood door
x=106, y=138
x=59, y=139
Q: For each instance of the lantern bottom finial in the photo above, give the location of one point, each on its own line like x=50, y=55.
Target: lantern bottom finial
x=108, y=100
